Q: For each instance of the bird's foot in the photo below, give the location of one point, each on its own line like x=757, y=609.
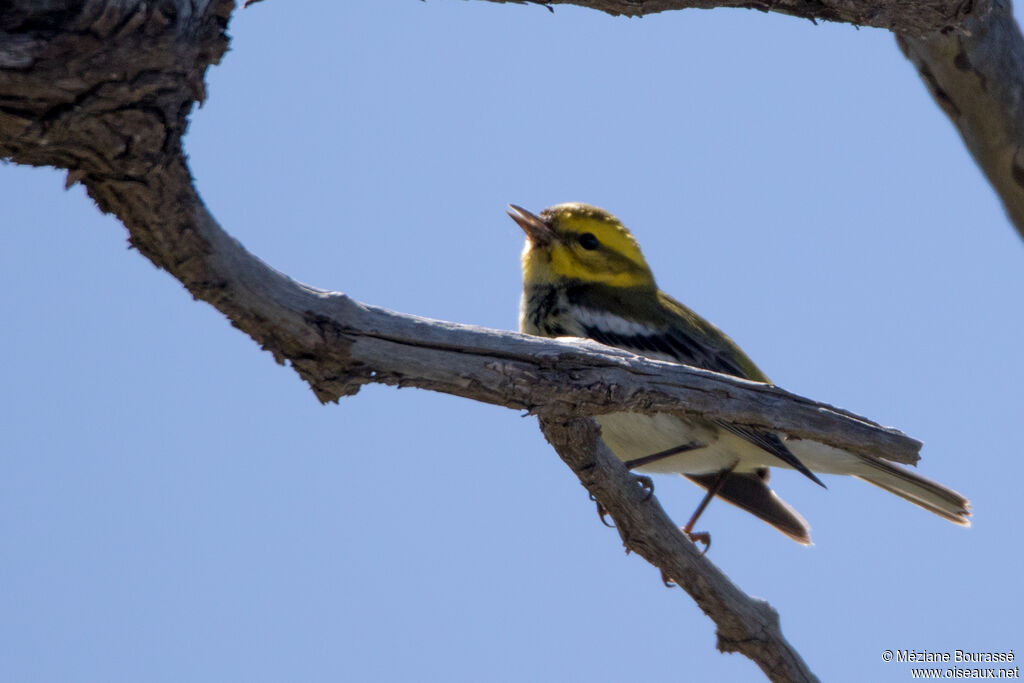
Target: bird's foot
x=647, y=484
x=601, y=512
x=699, y=537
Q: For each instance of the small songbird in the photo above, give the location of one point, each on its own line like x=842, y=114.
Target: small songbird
x=584, y=276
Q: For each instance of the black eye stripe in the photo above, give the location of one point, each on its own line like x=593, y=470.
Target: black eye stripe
x=588, y=241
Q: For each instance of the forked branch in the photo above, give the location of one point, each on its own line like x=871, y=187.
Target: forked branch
x=104, y=90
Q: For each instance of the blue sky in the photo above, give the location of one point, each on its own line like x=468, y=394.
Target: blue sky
x=174, y=506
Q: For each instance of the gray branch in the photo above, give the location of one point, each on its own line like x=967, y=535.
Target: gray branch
x=976, y=75
x=744, y=624
x=908, y=17
x=969, y=53
x=103, y=88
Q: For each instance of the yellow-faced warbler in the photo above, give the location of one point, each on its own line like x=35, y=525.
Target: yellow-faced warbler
x=584, y=276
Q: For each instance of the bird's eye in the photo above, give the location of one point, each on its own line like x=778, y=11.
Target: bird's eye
x=588, y=241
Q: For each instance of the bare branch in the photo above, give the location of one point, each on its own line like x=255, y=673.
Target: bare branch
x=909, y=17
x=745, y=625
x=120, y=137
x=969, y=53
x=977, y=77
x=104, y=91
x=108, y=102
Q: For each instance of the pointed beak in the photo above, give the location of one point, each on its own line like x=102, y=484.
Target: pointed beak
x=537, y=231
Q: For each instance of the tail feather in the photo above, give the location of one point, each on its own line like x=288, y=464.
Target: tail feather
x=750, y=491
x=930, y=495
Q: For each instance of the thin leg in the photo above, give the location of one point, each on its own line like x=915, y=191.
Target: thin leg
x=660, y=455
x=704, y=536
x=601, y=512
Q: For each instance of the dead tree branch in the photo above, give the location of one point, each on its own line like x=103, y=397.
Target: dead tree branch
x=976, y=76
x=103, y=89
x=744, y=624
x=911, y=17
x=969, y=53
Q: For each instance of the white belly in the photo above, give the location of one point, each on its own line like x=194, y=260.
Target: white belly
x=634, y=435
x=825, y=459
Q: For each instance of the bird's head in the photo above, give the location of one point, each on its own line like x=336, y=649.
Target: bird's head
x=579, y=242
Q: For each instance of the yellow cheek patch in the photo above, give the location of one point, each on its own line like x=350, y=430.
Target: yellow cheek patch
x=568, y=263
x=609, y=254
x=613, y=238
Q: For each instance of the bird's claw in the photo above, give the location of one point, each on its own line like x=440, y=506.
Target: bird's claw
x=700, y=537
x=647, y=484
x=601, y=512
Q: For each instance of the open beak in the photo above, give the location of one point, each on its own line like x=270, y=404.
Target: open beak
x=537, y=231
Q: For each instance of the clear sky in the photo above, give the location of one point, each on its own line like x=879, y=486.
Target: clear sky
x=174, y=506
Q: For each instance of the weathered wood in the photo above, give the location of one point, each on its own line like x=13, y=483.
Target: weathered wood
x=909, y=17
x=103, y=89
x=976, y=76
x=744, y=624
x=110, y=105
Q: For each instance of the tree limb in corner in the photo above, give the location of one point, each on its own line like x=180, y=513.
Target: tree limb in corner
x=969, y=53
x=103, y=89
x=976, y=76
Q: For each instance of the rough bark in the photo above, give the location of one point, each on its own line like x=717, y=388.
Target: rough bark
x=969, y=53
x=908, y=17
x=103, y=89
x=744, y=624
x=976, y=76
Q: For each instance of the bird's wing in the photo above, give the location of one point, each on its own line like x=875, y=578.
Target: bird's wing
x=654, y=324
x=770, y=442
x=709, y=348
x=706, y=345
x=750, y=491
x=667, y=329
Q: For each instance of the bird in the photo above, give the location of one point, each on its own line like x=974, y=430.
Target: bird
x=584, y=275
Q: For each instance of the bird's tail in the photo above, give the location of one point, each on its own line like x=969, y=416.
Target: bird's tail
x=750, y=491
x=926, y=493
